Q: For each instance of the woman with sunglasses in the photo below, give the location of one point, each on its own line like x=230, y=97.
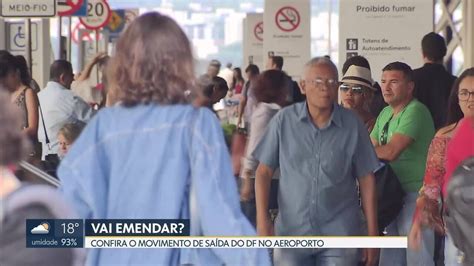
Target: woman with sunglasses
x=356, y=93
x=461, y=104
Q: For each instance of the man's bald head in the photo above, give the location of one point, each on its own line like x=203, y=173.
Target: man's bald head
x=61, y=72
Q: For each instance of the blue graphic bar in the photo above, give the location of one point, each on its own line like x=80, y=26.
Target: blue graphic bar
x=137, y=227
x=54, y=233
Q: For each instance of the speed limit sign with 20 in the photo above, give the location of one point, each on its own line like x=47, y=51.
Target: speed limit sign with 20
x=98, y=14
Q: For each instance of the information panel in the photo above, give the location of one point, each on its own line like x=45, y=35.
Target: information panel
x=288, y=33
x=384, y=31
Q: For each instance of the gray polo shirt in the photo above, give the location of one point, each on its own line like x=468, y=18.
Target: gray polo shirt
x=317, y=193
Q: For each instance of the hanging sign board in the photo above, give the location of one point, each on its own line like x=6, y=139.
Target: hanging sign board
x=287, y=33
x=253, y=40
x=384, y=31
x=28, y=9
x=68, y=7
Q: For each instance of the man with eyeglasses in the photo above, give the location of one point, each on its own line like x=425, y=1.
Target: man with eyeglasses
x=321, y=149
x=402, y=134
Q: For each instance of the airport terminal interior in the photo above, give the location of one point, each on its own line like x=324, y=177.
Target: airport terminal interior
x=253, y=132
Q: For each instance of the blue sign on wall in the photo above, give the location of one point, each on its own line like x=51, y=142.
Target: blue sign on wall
x=81, y=12
x=116, y=23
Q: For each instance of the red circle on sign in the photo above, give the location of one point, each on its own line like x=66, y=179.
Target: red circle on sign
x=74, y=8
x=287, y=18
x=109, y=14
x=258, y=31
x=75, y=34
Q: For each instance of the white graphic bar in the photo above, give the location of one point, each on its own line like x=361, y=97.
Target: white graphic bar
x=243, y=242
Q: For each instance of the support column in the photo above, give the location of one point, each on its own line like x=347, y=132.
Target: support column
x=29, y=44
x=3, y=35
x=468, y=42
x=448, y=33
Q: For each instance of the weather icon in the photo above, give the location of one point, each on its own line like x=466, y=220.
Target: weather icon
x=41, y=229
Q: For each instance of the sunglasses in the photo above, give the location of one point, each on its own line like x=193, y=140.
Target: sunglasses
x=355, y=89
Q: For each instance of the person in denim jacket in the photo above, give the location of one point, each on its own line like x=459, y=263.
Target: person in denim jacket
x=147, y=155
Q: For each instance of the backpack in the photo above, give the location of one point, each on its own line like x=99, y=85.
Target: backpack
x=32, y=202
x=460, y=206
x=390, y=195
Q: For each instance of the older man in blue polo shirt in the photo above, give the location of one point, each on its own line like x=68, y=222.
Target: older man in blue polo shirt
x=321, y=150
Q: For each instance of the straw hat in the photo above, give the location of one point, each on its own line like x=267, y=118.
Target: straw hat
x=358, y=75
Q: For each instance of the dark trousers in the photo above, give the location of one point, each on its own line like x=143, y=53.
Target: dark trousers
x=249, y=208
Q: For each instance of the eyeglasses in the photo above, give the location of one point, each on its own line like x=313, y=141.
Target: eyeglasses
x=464, y=95
x=384, y=135
x=320, y=83
x=355, y=89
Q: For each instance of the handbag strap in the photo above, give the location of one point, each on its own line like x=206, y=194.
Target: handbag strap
x=25, y=107
x=44, y=125
x=384, y=136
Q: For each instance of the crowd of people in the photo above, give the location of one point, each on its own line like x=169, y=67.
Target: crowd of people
x=147, y=143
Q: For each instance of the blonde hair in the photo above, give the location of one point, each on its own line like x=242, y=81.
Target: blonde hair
x=71, y=131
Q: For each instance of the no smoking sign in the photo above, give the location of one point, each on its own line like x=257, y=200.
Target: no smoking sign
x=258, y=31
x=68, y=7
x=287, y=19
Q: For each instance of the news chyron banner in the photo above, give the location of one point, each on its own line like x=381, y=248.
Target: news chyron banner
x=253, y=40
x=96, y=233
x=288, y=33
x=127, y=233
x=384, y=31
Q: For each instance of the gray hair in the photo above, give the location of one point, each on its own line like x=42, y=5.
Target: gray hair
x=317, y=61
